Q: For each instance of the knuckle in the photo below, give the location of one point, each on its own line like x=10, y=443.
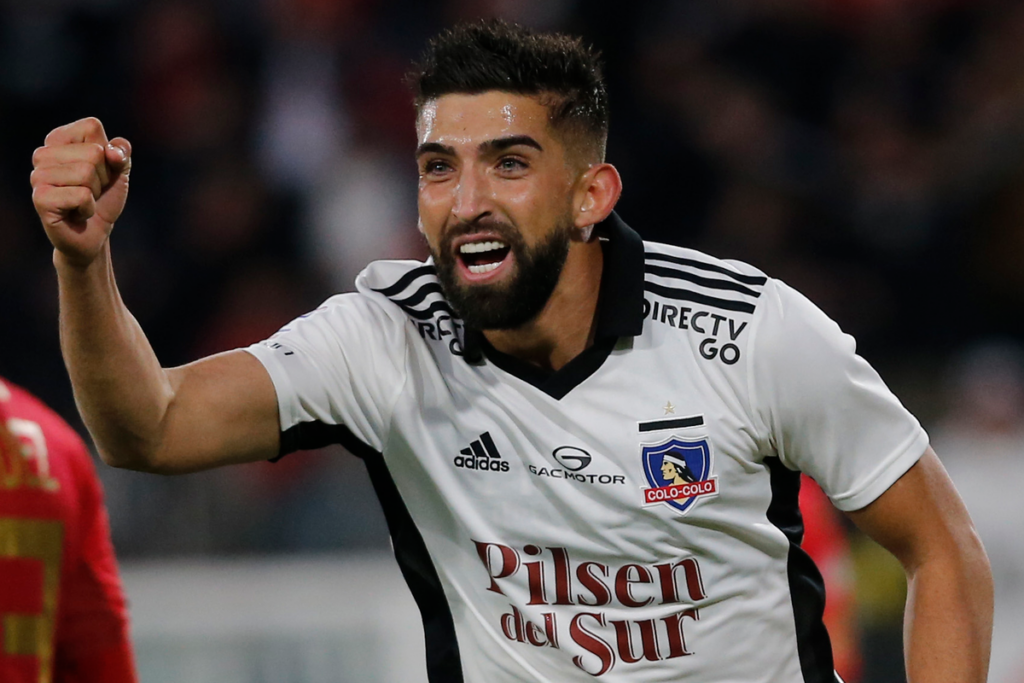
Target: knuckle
x=38, y=155
x=96, y=155
x=42, y=198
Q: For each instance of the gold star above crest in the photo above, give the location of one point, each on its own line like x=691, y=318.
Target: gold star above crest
x=670, y=409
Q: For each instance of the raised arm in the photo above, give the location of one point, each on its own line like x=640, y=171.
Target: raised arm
x=948, y=623
x=216, y=411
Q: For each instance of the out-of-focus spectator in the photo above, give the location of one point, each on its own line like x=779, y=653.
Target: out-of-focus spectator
x=303, y=122
x=187, y=99
x=981, y=443
x=362, y=207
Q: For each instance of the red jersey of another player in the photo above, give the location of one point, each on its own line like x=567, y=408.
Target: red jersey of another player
x=826, y=542
x=62, y=611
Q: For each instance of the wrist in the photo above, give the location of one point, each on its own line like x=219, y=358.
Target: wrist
x=78, y=266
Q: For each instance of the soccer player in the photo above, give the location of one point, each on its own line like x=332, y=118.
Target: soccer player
x=516, y=397
x=62, y=613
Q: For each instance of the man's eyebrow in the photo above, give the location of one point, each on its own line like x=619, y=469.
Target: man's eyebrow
x=434, y=148
x=501, y=144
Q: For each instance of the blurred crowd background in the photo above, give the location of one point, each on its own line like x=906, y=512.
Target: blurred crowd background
x=868, y=152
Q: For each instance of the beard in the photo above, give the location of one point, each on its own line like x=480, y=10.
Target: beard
x=518, y=300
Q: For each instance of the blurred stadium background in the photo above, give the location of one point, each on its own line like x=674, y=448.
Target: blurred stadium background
x=868, y=152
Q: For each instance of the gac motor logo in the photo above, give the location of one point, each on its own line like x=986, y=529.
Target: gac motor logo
x=679, y=473
x=571, y=458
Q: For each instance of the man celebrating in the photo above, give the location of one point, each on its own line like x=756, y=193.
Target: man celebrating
x=514, y=399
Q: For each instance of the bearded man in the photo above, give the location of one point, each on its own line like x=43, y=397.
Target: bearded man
x=514, y=397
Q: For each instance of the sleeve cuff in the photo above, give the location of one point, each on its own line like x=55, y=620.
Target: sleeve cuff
x=282, y=384
x=885, y=475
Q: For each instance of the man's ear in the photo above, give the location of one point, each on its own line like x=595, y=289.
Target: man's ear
x=597, y=192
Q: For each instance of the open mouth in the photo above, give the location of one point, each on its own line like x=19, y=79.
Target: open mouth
x=483, y=257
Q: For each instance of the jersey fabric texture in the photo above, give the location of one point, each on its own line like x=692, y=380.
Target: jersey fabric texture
x=62, y=612
x=632, y=516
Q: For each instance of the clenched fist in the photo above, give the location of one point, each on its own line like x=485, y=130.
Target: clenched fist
x=79, y=187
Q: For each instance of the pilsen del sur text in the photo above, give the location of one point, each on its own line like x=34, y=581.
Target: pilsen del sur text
x=554, y=579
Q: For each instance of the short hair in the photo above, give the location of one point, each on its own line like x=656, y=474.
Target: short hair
x=478, y=57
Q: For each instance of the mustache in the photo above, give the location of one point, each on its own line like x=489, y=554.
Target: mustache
x=484, y=223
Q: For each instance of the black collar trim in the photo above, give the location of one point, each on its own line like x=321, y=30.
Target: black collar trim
x=619, y=314
x=621, y=303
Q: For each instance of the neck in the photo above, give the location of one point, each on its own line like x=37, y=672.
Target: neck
x=565, y=327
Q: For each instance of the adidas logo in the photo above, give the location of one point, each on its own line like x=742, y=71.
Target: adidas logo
x=483, y=455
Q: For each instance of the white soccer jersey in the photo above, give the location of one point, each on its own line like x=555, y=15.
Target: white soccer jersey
x=632, y=516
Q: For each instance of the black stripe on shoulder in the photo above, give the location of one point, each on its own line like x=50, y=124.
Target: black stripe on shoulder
x=419, y=295
x=406, y=280
x=713, y=267
x=428, y=312
x=695, y=297
x=710, y=283
x=444, y=663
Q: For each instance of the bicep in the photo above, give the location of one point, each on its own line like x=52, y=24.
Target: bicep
x=224, y=411
x=919, y=515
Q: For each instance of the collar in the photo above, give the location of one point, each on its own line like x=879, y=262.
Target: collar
x=620, y=300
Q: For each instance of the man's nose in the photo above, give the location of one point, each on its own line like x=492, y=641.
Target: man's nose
x=473, y=196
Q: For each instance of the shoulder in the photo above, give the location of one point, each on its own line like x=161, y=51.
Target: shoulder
x=699, y=262
x=395, y=303
x=410, y=291
x=410, y=286
x=712, y=303
x=388, y=294
x=688, y=275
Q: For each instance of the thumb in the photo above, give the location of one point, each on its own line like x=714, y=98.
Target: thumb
x=119, y=156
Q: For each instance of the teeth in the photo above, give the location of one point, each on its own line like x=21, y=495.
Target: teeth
x=479, y=247
x=486, y=268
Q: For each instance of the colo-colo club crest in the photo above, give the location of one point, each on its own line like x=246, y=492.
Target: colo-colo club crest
x=679, y=473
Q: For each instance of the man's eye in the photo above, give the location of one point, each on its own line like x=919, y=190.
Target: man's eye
x=511, y=164
x=434, y=167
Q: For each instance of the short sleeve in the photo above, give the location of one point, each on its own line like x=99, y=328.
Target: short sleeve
x=827, y=412
x=340, y=367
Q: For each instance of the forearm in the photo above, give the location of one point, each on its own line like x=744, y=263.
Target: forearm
x=948, y=624
x=120, y=388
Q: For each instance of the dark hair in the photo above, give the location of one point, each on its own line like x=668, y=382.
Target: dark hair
x=473, y=58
